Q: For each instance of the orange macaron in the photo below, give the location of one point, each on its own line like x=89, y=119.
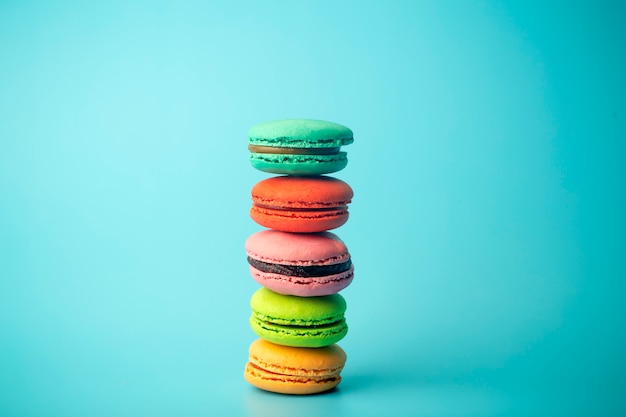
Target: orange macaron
x=301, y=204
x=291, y=370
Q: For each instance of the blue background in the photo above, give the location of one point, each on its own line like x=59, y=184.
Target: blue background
x=487, y=227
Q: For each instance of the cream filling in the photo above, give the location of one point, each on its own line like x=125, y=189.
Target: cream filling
x=292, y=151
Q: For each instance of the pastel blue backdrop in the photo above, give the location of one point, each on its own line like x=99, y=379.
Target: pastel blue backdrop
x=487, y=227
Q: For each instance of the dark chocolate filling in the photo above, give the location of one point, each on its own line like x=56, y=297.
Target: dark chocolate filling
x=300, y=270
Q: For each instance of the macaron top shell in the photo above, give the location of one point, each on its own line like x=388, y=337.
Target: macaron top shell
x=287, y=192
x=297, y=248
x=300, y=133
x=290, y=310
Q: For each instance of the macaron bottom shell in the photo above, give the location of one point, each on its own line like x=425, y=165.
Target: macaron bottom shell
x=303, y=287
x=289, y=384
x=294, y=221
x=299, y=164
x=300, y=336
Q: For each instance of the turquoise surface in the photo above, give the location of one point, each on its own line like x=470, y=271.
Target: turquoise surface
x=487, y=223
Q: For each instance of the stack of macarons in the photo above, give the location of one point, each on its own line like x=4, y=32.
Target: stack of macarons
x=301, y=266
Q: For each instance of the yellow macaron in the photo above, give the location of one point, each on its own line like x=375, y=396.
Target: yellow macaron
x=294, y=370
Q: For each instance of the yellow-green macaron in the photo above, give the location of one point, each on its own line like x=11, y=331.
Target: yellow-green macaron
x=298, y=321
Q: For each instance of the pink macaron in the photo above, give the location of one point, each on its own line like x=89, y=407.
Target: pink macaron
x=301, y=264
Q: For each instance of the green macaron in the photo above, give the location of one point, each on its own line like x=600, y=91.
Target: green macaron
x=298, y=321
x=299, y=146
